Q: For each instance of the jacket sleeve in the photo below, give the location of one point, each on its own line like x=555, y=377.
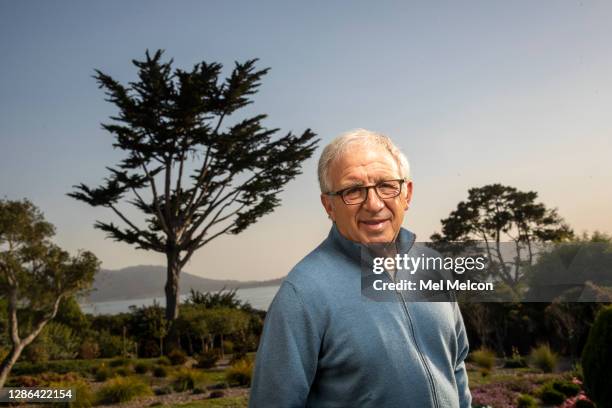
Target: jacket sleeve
x=465, y=397
x=287, y=356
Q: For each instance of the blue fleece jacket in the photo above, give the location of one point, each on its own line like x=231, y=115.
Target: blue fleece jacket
x=326, y=345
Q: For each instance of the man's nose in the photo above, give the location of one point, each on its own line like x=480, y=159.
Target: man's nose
x=373, y=202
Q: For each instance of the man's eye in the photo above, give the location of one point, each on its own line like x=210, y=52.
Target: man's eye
x=352, y=192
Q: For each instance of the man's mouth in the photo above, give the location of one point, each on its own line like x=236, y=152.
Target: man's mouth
x=374, y=225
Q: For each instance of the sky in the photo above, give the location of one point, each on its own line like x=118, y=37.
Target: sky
x=473, y=92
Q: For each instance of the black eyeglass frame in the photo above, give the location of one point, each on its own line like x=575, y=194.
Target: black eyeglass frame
x=340, y=192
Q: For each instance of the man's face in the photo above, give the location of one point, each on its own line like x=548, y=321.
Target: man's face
x=375, y=220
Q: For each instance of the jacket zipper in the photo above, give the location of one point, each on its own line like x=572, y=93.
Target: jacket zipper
x=430, y=380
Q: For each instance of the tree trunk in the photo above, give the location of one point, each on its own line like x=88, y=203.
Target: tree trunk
x=222, y=347
x=9, y=361
x=172, y=285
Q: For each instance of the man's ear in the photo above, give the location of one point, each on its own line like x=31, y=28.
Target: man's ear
x=328, y=205
x=408, y=194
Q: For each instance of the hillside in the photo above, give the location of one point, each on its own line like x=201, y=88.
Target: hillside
x=147, y=281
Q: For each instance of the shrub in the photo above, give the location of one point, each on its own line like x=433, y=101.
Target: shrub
x=160, y=371
x=584, y=404
x=163, y=390
x=141, y=367
x=544, y=358
x=122, y=389
x=124, y=371
x=110, y=345
x=187, y=379
x=103, y=373
x=483, y=358
x=567, y=388
x=82, y=394
x=89, y=349
x=177, y=357
x=207, y=359
x=526, y=401
x=164, y=361
x=240, y=373
x=228, y=346
x=597, y=359
x=36, y=353
x=217, y=394
x=516, y=361
x=119, y=362
x=549, y=395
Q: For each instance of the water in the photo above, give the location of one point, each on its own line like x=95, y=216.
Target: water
x=259, y=298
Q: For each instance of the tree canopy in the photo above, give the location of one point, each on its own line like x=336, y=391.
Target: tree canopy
x=35, y=275
x=191, y=173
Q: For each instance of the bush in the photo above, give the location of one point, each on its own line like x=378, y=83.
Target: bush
x=36, y=353
x=163, y=390
x=544, y=358
x=89, y=349
x=597, y=359
x=119, y=362
x=584, y=404
x=187, y=379
x=160, y=371
x=216, y=394
x=141, y=367
x=526, y=401
x=82, y=394
x=103, y=373
x=567, y=388
x=228, y=346
x=124, y=371
x=207, y=359
x=483, y=358
x=550, y=396
x=110, y=346
x=164, y=361
x=122, y=389
x=177, y=357
x=516, y=361
x=240, y=373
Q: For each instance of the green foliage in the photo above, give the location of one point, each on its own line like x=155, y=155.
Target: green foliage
x=223, y=298
x=58, y=366
x=188, y=379
x=207, y=359
x=89, y=349
x=516, y=361
x=483, y=358
x=240, y=373
x=177, y=357
x=526, y=401
x=160, y=371
x=103, y=373
x=216, y=180
x=110, y=345
x=36, y=353
x=584, y=404
x=36, y=275
x=82, y=393
x=544, y=358
x=119, y=362
x=141, y=367
x=549, y=395
x=122, y=389
x=59, y=341
x=164, y=361
x=597, y=359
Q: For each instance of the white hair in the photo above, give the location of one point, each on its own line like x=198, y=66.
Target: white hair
x=337, y=147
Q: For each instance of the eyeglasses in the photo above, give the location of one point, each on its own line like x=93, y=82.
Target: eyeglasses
x=359, y=194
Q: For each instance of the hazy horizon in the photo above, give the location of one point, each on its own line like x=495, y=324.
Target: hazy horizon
x=474, y=93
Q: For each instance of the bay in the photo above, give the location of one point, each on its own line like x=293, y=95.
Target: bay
x=259, y=298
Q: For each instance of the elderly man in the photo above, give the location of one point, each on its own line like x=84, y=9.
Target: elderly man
x=326, y=345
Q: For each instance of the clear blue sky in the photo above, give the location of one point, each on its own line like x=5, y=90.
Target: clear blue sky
x=474, y=92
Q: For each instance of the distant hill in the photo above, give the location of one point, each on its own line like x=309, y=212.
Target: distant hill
x=147, y=281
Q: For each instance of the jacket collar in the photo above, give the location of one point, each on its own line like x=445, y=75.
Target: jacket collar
x=356, y=251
